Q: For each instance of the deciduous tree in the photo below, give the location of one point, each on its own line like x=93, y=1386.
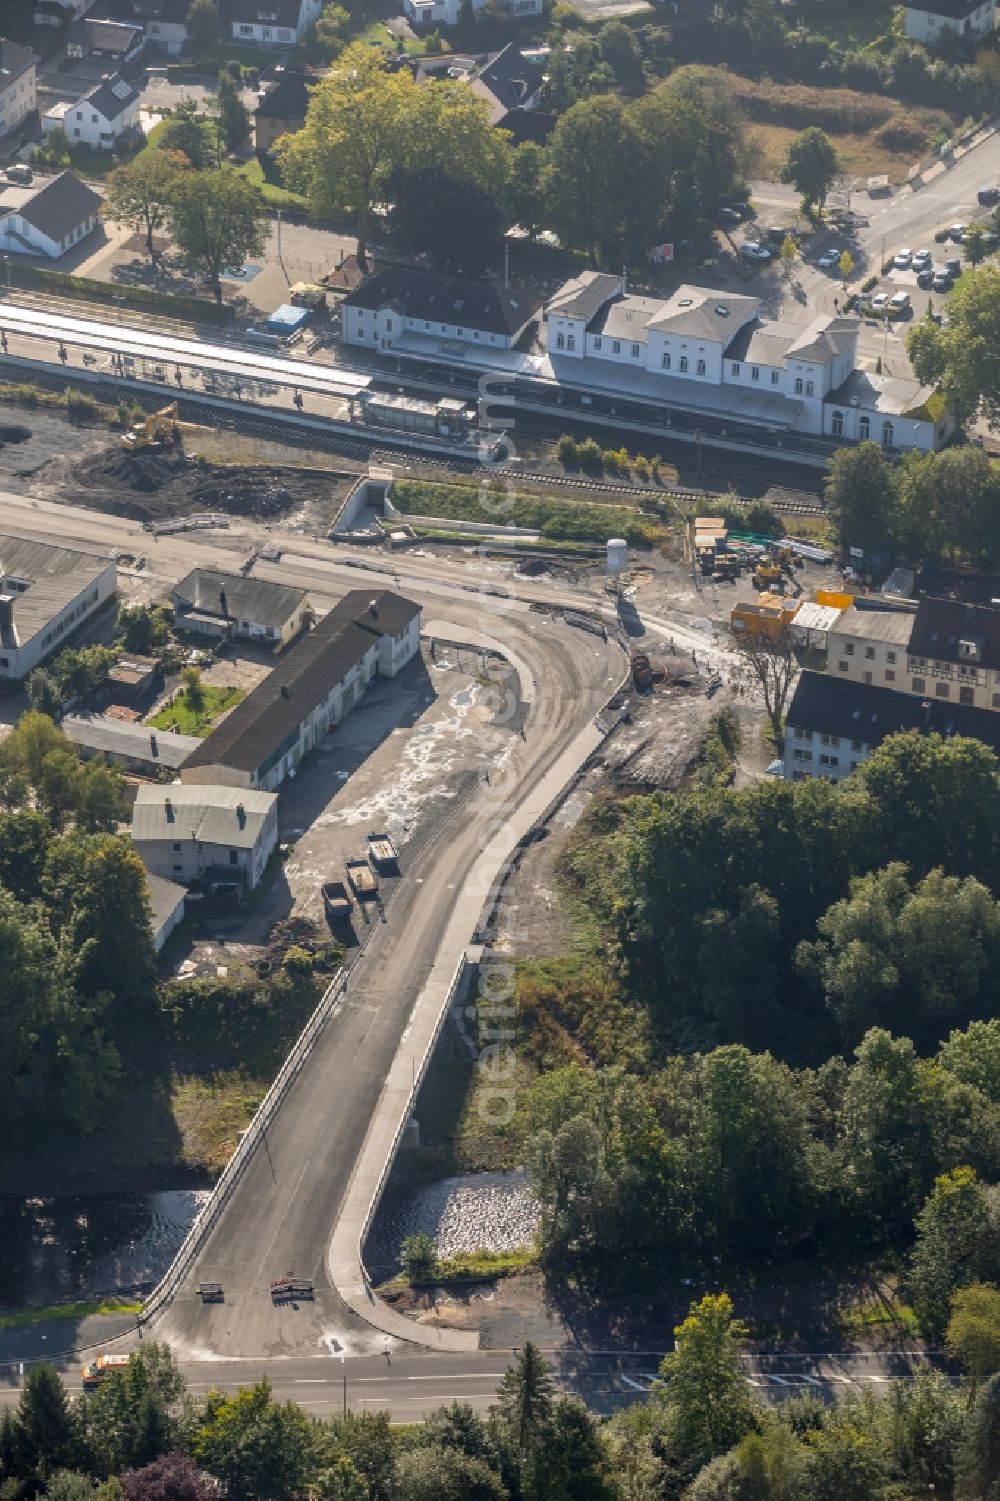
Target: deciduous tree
x=707, y=1403
x=973, y=1333
x=218, y=220
x=811, y=166
x=771, y=663
x=139, y=193
x=964, y=358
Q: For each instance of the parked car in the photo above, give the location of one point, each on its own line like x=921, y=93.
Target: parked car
x=957, y=231
x=879, y=302
x=942, y=282
x=941, y=236
x=903, y=259
x=921, y=260
x=753, y=250
x=20, y=173
x=925, y=278
x=729, y=215
x=953, y=265
x=828, y=259
x=899, y=302
x=777, y=235
x=988, y=196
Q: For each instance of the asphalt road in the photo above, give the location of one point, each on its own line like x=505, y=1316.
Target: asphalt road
x=412, y=1384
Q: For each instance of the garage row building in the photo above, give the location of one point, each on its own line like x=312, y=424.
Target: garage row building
x=700, y=351
x=320, y=679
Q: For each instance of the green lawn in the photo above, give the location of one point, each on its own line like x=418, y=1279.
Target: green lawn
x=848, y=27
x=197, y=718
x=264, y=174
x=75, y=1311
x=377, y=34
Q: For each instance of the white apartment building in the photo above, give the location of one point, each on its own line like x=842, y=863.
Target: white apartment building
x=46, y=592
x=18, y=72
x=196, y=833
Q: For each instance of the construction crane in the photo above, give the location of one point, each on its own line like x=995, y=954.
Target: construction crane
x=158, y=431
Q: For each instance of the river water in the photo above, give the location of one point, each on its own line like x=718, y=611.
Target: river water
x=64, y=1249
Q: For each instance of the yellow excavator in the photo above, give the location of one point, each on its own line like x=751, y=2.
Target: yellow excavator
x=158, y=431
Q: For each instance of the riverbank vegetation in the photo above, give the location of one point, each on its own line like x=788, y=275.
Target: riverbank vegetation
x=773, y=1038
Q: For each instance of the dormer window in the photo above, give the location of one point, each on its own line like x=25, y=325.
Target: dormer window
x=970, y=648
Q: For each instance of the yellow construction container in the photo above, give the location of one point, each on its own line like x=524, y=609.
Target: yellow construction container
x=834, y=597
x=768, y=615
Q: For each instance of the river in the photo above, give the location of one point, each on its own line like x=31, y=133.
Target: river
x=65, y=1249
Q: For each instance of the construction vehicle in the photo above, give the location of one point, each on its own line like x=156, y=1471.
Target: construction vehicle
x=767, y=574
x=93, y=1374
x=158, y=431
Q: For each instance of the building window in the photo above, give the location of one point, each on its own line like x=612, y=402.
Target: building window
x=837, y=424
x=798, y=385
x=830, y=739
x=597, y=342
x=890, y=675
x=701, y=367
x=459, y=332
x=799, y=732
x=635, y=351
x=864, y=429
x=736, y=368
x=855, y=745
x=996, y=700
x=666, y=360
x=918, y=685
x=246, y=31
x=560, y=341
x=775, y=377
x=616, y=346
x=755, y=372
x=866, y=677
x=966, y=695
x=841, y=666
x=809, y=388
x=177, y=849
x=684, y=364
x=571, y=341
x=890, y=656
x=870, y=653
x=233, y=857
x=943, y=690
x=887, y=435
x=849, y=649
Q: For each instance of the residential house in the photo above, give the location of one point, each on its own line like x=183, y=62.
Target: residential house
x=322, y=677
x=202, y=834
x=510, y=84
x=46, y=592
x=945, y=650
x=48, y=217
x=105, y=115
x=18, y=70
x=281, y=110
x=209, y=602
x=395, y=307
x=165, y=23
x=59, y=12
x=833, y=725
x=424, y=15
x=134, y=747
x=273, y=23
x=925, y=22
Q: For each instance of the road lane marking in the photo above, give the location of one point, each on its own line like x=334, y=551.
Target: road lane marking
x=636, y=1386
x=462, y=1376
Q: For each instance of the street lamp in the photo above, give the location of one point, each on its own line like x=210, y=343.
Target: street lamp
x=343, y=1367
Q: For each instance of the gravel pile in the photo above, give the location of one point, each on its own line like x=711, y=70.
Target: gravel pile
x=479, y=1212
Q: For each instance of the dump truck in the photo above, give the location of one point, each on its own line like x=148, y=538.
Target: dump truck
x=382, y=852
x=93, y=1374
x=337, y=901
x=158, y=431
x=362, y=880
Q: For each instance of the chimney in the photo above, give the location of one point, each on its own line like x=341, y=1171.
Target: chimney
x=223, y=602
x=241, y=815
x=373, y=608
x=284, y=691
x=6, y=614
x=153, y=750
x=168, y=809
x=925, y=713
